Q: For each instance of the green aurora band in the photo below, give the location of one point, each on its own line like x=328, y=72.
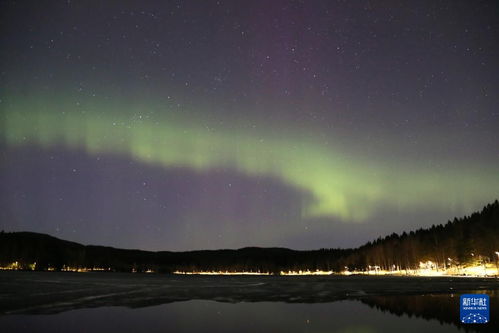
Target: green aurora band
x=343, y=186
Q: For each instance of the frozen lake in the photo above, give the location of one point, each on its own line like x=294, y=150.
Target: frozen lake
x=105, y=302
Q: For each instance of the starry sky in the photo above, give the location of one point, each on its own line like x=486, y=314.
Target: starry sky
x=180, y=125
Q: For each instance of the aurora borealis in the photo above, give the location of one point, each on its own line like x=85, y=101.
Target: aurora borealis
x=187, y=125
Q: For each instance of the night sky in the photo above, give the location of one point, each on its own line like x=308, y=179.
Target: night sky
x=179, y=125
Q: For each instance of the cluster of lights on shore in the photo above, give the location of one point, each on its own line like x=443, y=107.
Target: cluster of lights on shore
x=427, y=268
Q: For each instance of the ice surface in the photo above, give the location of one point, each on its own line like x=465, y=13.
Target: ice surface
x=52, y=292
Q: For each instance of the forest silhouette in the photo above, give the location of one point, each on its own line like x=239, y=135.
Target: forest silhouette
x=470, y=240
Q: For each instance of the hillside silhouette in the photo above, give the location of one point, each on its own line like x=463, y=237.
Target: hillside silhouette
x=468, y=240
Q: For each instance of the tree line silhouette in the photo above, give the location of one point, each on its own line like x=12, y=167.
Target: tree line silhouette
x=469, y=240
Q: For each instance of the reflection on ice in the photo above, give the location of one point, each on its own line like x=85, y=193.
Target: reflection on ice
x=346, y=316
